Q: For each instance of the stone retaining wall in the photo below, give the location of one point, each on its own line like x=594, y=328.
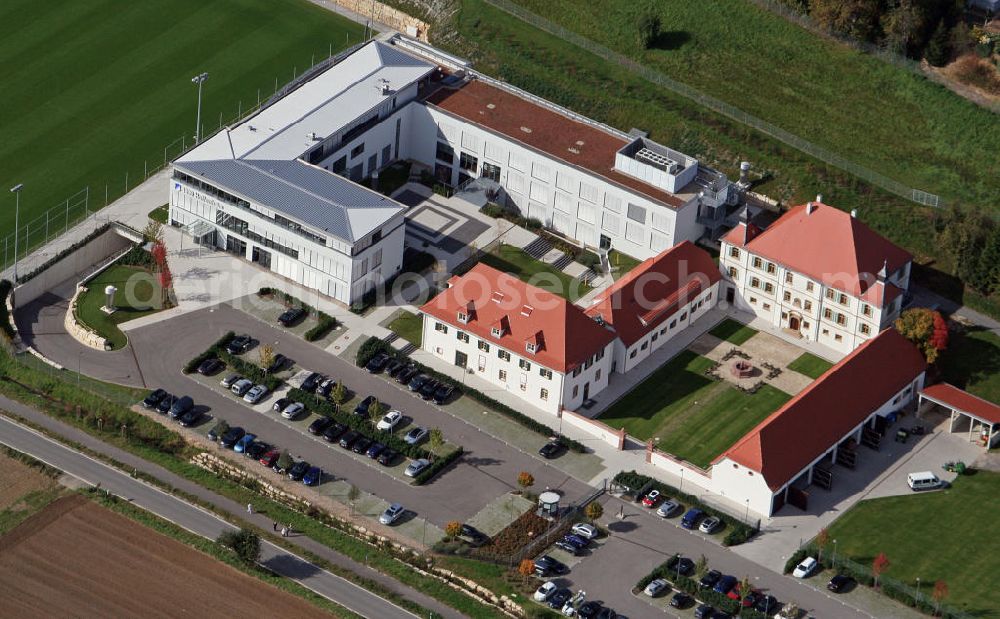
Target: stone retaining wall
x=385, y=14
x=79, y=332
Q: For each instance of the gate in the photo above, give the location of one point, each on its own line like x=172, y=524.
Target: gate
x=823, y=478
x=870, y=438
x=798, y=498
x=847, y=457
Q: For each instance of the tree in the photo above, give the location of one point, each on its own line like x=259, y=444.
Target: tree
x=166, y=280
x=939, y=593
x=902, y=26
x=822, y=539
x=593, y=510
x=923, y=327
x=245, y=543
x=159, y=253
x=939, y=47
x=647, y=27
x=353, y=494
x=879, y=565
x=745, y=586
x=266, y=353
x=701, y=566
x=435, y=439
x=285, y=461
x=153, y=232
x=453, y=528
x=221, y=428
x=338, y=395
x=375, y=411
x=526, y=568
x=525, y=480
x=857, y=19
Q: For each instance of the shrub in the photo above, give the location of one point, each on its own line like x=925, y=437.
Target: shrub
x=326, y=324
x=244, y=542
x=438, y=465
x=492, y=210
x=5, y=288
x=533, y=223
x=138, y=257
x=213, y=351
x=589, y=259
x=369, y=349
x=98, y=231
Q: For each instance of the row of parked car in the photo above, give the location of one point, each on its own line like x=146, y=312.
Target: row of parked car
x=407, y=374
x=809, y=566
x=182, y=408
x=714, y=580
x=693, y=518
x=250, y=445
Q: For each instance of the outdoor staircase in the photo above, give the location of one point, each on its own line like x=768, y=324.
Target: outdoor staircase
x=562, y=262
x=538, y=248
x=588, y=277
x=392, y=337
x=408, y=349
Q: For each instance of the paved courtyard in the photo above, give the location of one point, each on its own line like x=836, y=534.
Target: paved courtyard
x=760, y=350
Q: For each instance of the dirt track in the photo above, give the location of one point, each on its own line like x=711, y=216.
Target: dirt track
x=76, y=558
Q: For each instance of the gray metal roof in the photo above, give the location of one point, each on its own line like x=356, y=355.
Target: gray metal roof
x=305, y=193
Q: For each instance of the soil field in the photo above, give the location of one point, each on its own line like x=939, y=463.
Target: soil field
x=77, y=555
x=18, y=480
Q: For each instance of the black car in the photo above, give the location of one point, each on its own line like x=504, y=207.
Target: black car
x=325, y=388
x=320, y=424
x=427, y=391
x=551, y=449
x=361, y=410
x=839, y=583
x=348, y=439
x=280, y=404
x=191, y=417
x=239, y=344
x=406, y=375
x=680, y=565
x=181, y=405
x=291, y=316
x=704, y=611
x=474, y=535
x=559, y=598
x=361, y=445
x=588, y=610
x=164, y=405
x=387, y=457
x=377, y=363
x=767, y=604
x=231, y=437
x=154, y=398
x=211, y=366
x=375, y=450
x=681, y=600
x=277, y=364
x=545, y=565
x=721, y=614
x=257, y=450
x=393, y=367
x=331, y=433
x=311, y=382
x=607, y=613
x=298, y=470
x=710, y=579
x=443, y=393
x=572, y=549
x=417, y=382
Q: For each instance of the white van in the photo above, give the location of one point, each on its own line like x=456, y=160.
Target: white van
x=923, y=481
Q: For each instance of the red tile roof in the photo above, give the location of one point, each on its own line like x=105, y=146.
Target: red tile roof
x=812, y=422
x=559, y=136
x=952, y=396
x=653, y=291
x=827, y=245
x=567, y=337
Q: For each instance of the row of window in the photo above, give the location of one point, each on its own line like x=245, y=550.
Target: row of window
x=502, y=354
x=241, y=227
x=768, y=267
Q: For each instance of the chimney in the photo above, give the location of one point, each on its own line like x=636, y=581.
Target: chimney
x=819, y=198
x=854, y=213
x=810, y=207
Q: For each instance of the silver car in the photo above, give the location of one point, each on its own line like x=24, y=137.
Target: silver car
x=668, y=508
x=241, y=386
x=230, y=380
x=416, y=435
x=417, y=467
x=293, y=410
x=255, y=394
x=391, y=513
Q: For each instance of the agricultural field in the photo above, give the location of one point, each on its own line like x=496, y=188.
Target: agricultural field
x=23, y=491
x=93, y=89
x=47, y=566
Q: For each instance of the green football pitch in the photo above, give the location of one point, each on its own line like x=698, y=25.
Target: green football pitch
x=93, y=90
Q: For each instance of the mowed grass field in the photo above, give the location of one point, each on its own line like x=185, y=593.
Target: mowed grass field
x=693, y=416
x=942, y=535
x=972, y=362
x=93, y=88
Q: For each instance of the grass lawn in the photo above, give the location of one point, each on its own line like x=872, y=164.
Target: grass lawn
x=810, y=365
x=408, y=326
x=694, y=417
x=93, y=89
x=621, y=263
x=935, y=535
x=393, y=177
x=515, y=261
x=733, y=331
x=160, y=213
x=972, y=362
x=137, y=296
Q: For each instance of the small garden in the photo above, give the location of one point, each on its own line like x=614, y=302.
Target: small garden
x=810, y=365
x=732, y=331
x=408, y=326
x=517, y=262
x=621, y=263
x=390, y=178
x=972, y=362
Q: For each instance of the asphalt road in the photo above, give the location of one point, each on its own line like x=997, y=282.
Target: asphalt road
x=194, y=519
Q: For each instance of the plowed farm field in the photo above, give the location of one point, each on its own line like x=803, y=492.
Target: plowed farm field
x=77, y=557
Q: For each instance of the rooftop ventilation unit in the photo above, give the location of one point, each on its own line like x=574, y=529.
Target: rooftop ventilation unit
x=382, y=85
x=657, y=160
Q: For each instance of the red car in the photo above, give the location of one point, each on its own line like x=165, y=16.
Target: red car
x=270, y=458
x=650, y=499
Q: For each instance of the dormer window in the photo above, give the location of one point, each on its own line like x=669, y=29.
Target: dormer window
x=497, y=297
x=497, y=331
x=531, y=347
x=463, y=318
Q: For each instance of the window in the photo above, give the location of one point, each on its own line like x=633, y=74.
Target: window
x=656, y=336
x=757, y=262
x=808, y=305
x=502, y=376
x=462, y=336
x=865, y=329
x=496, y=331
x=468, y=162
x=734, y=252
x=543, y=394
x=754, y=282
x=842, y=299
x=632, y=354
x=597, y=374
x=838, y=337
x=826, y=332
x=732, y=272
x=636, y=213
x=828, y=313
x=545, y=373
x=530, y=347
x=577, y=371
x=443, y=328
x=809, y=286
x=767, y=306
x=524, y=365
x=787, y=297
x=357, y=150
x=503, y=354
x=463, y=318
x=769, y=287
x=841, y=319
x=684, y=316
x=753, y=300
x=673, y=323
x=788, y=277
x=771, y=268
x=599, y=355
x=830, y=294
x=484, y=346
x=445, y=152
x=866, y=310
x=644, y=346
x=663, y=331
x=805, y=325
x=576, y=390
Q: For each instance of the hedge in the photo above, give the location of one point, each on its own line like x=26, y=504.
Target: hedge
x=5, y=289
x=374, y=345
x=248, y=369
x=691, y=587
x=437, y=466
x=325, y=322
x=739, y=532
x=96, y=232
x=138, y=257
x=212, y=351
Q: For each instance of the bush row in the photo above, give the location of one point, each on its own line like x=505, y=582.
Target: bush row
x=437, y=466
x=5, y=289
x=210, y=352
x=498, y=212
x=137, y=257
x=98, y=231
x=739, y=532
x=239, y=365
x=325, y=322
x=374, y=345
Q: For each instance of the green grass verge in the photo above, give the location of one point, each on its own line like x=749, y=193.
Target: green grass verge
x=160, y=213
x=109, y=82
x=733, y=331
x=693, y=416
x=621, y=263
x=31, y=503
x=810, y=365
x=518, y=263
x=408, y=326
x=972, y=362
x=932, y=536
x=138, y=295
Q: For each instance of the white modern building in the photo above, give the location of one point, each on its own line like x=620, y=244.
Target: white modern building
x=817, y=273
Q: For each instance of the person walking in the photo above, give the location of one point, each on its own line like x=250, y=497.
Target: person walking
x=275, y=525
x=284, y=531
x=250, y=508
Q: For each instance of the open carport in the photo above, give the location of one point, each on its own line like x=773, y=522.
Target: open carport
x=980, y=417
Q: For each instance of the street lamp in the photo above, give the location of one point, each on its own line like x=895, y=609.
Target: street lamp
x=198, y=79
x=746, y=518
x=16, y=190
x=835, y=554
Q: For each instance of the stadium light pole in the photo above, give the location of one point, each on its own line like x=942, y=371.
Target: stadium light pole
x=198, y=79
x=16, y=190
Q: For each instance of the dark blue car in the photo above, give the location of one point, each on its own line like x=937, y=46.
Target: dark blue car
x=691, y=518
x=313, y=476
x=725, y=585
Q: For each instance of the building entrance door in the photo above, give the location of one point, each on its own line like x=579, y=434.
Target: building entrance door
x=261, y=257
x=491, y=172
x=730, y=295
x=461, y=359
x=793, y=323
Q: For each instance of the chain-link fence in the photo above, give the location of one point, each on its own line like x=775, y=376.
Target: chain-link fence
x=721, y=107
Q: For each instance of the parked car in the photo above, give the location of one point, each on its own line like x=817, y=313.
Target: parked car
x=280, y=404
x=241, y=387
x=584, y=530
x=269, y=458
x=257, y=450
x=334, y=431
x=577, y=540
x=588, y=610
x=242, y=444
x=256, y=394
x=216, y=432
x=443, y=393
x=417, y=467
x=230, y=380
x=767, y=604
x=572, y=549
x=361, y=410
x=651, y=499
x=725, y=584
x=551, y=449
x=239, y=344
x=607, y=613
x=298, y=470
x=320, y=424
x=293, y=410
x=191, y=417
x=387, y=457
x=839, y=583
x=473, y=535
x=559, y=598
x=416, y=435
x=279, y=362
x=545, y=565
x=291, y=316
x=393, y=368
x=348, y=438
x=704, y=611
x=391, y=513
x=311, y=382
x=374, y=450
x=406, y=374
x=313, y=477
x=679, y=564
x=230, y=438
x=377, y=363
x=710, y=525
x=805, y=568
x=211, y=366
x=655, y=587
x=710, y=579
x=361, y=445
x=747, y=601
x=417, y=382
x=427, y=391
x=668, y=508
x=164, y=405
x=691, y=518
x=155, y=397
x=681, y=600
x=390, y=420
x=180, y=406
x=545, y=591
x=326, y=387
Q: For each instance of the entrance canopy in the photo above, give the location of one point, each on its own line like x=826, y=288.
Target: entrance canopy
x=981, y=413
x=199, y=228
